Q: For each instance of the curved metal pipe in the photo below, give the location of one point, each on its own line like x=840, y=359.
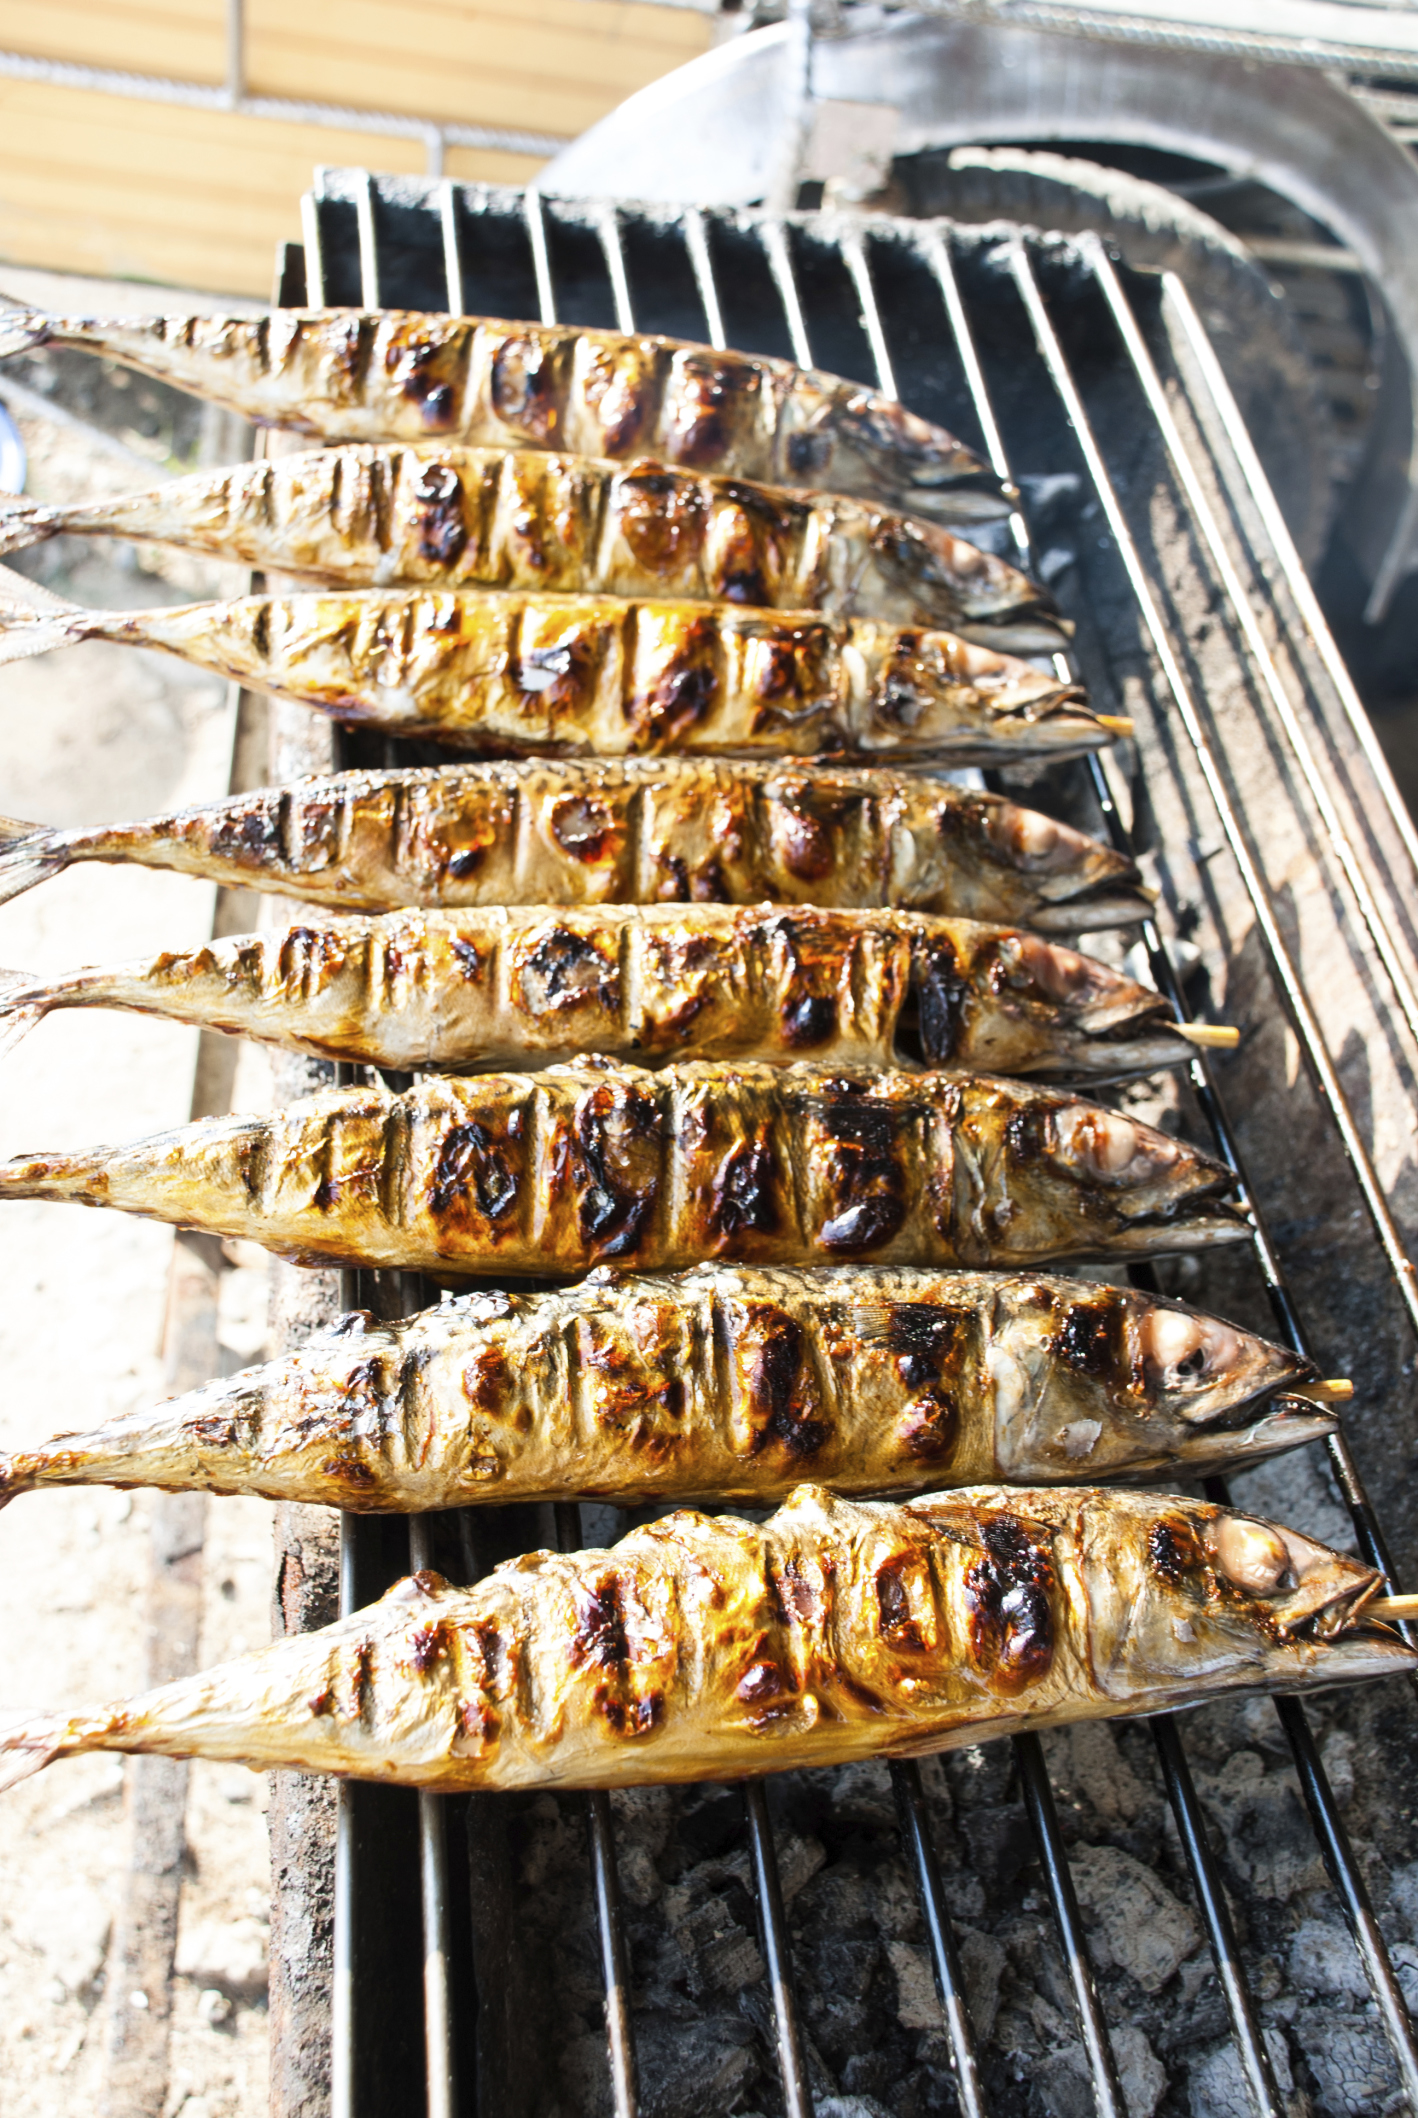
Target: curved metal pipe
x=709, y=133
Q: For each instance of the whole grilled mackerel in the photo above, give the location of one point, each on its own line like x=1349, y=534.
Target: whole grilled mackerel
x=596, y=676
x=622, y=831
x=467, y=990
x=484, y=518
x=702, y=1648
x=724, y=1383
x=398, y=375
x=559, y=1171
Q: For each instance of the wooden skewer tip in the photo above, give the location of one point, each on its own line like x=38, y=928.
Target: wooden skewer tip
x=1118, y=725
x=1392, y=1609
x=1218, y=1036
x=1336, y=1390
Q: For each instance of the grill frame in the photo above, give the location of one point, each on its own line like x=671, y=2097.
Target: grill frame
x=379, y=240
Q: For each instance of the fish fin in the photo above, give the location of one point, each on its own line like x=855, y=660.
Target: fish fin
x=26, y=1747
x=26, y=630
x=23, y=523
x=16, y=1022
x=27, y=856
x=21, y=329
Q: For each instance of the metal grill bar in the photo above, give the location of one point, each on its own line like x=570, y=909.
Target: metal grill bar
x=437, y=1925
x=792, y=2061
x=620, y=2039
x=777, y=1953
x=1039, y=1801
x=777, y=245
x=1282, y=962
x=1245, y=2028
x=342, y=2098
x=1107, y=278
x=1319, y=1795
x=696, y=242
x=1255, y=2059
x=940, y=1936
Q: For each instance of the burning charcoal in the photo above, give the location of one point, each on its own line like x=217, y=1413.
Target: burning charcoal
x=1137, y=1923
x=1324, y=1960
x=1217, y=2087
x=1000, y=1842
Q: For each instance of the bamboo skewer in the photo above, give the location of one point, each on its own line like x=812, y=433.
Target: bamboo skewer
x=1220, y=1036
x=1117, y=724
x=1392, y=1609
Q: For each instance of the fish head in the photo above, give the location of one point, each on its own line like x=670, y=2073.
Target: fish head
x=1094, y=1381
x=1046, y=975
x=1140, y=1187
x=1071, y=874
x=1046, y=1174
x=857, y=441
x=1185, y=1596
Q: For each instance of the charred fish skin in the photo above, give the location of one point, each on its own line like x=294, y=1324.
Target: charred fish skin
x=466, y=991
x=597, y=676
x=708, y=1647
x=597, y=1163
x=401, y=376
x=624, y=831
x=725, y=1383
x=466, y=519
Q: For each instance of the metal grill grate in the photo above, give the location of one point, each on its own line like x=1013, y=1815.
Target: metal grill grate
x=1099, y=390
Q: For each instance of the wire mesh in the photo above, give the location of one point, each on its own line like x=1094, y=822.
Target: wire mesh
x=735, y=266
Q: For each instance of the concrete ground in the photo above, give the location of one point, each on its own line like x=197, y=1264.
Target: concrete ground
x=100, y=732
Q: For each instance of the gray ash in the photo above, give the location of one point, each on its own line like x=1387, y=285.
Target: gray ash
x=874, y=2034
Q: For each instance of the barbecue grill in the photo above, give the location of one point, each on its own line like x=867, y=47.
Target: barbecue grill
x=1258, y=797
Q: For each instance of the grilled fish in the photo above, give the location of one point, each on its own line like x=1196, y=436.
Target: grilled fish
x=702, y=1648
x=398, y=375
x=627, y=831
x=602, y=677
x=559, y=1171
x=726, y=1383
x=470, y=518
x=468, y=990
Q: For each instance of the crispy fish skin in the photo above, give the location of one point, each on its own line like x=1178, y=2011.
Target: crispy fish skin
x=399, y=375
x=469, y=990
x=708, y=1647
x=592, y=1163
x=725, y=1383
x=597, y=676
x=487, y=519
x=622, y=831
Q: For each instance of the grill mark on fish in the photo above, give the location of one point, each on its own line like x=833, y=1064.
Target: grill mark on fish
x=1008, y=1594
x=377, y=840
x=692, y=1648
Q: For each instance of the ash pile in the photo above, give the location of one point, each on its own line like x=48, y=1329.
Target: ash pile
x=875, y=2043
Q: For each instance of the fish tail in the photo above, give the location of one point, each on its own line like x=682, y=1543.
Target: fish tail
x=25, y=522
x=29, y=630
x=29, y=854
x=17, y=1017
x=15, y=1477
x=26, y=1747
x=21, y=330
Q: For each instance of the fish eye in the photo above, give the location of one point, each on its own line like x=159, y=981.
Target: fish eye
x=1250, y=1555
x=1058, y=972
x=1034, y=840
x=1186, y=1351
x=1104, y=1144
